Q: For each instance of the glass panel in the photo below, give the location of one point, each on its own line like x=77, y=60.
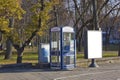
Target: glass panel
x=68, y=42
x=68, y=60
x=55, y=49
x=55, y=61
x=67, y=38
x=55, y=41
x=68, y=48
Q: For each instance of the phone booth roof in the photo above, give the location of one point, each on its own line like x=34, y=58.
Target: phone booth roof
x=64, y=29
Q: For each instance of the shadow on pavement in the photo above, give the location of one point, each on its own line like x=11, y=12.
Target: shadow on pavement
x=26, y=67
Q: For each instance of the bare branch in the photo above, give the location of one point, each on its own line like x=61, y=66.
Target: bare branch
x=77, y=21
x=99, y=10
x=109, y=12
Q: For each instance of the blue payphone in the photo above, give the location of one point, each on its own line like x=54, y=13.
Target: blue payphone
x=62, y=48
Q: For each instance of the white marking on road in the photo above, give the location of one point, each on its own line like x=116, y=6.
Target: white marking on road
x=83, y=74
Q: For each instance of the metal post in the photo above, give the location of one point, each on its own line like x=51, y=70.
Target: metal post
x=61, y=48
x=93, y=63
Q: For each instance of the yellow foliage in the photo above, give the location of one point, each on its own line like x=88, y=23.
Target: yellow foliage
x=4, y=25
x=55, y=1
x=42, y=14
x=9, y=8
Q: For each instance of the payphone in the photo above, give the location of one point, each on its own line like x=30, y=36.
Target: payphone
x=62, y=47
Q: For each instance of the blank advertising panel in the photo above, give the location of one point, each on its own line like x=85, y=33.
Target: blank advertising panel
x=93, y=44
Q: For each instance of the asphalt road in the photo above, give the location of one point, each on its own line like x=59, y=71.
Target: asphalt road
x=109, y=71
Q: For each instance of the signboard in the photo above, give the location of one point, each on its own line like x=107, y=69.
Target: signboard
x=68, y=29
x=93, y=44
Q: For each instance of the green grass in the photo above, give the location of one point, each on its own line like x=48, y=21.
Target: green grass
x=27, y=57
x=80, y=56
x=110, y=54
x=105, y=54
x=31, y=56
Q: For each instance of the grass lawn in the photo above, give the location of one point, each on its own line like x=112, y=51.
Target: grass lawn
x=31, y=56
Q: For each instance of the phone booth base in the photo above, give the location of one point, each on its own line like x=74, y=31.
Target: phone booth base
x=62, y=48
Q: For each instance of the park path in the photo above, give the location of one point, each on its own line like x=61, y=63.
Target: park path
x=110, y=71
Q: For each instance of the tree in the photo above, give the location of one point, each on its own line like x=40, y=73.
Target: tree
x=8, y=9
x=39, y=17
x=86, y=11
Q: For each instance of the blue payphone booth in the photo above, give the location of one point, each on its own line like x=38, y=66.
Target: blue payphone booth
x=62, y=48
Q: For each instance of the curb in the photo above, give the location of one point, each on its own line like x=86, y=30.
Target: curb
x=15, y=66
x=86, y=62
x=79, y=63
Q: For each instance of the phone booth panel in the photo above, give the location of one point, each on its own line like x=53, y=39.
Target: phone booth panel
x=62, y=48
x=55, y=49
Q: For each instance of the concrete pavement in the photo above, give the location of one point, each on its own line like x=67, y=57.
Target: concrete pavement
x=110, y=71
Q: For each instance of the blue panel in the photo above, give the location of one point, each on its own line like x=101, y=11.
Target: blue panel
x=44, y=55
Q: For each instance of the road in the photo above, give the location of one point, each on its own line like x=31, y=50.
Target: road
x=110, y=71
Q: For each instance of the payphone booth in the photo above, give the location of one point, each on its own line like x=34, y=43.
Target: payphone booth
x=62, y=48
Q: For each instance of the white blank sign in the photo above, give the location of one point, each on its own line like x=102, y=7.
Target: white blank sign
x=94, y=44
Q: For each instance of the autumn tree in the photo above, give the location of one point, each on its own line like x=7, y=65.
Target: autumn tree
x=38, y=12
x=9, y=9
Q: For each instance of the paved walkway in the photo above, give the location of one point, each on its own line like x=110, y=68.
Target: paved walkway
x=104, y=72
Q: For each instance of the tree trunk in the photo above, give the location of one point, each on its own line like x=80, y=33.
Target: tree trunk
x=19, y=55
x=106, y=42
x=79, y=43
x=20, y=49
x=19, y=59
x=8, y=49
x=119, y=50
x=9, y=42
